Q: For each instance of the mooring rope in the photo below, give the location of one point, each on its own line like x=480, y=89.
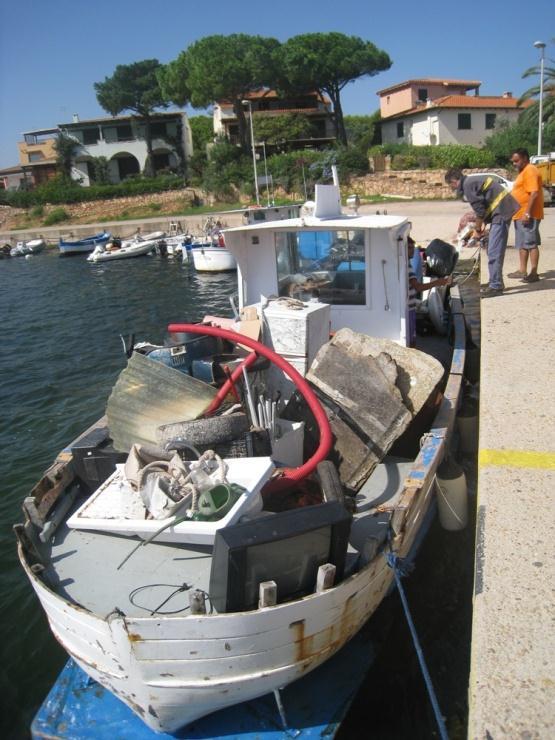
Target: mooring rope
x=401, y=568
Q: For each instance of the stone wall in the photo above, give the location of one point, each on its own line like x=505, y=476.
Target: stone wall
x=424, y=184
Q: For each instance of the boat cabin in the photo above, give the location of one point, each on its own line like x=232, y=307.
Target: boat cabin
x=355, y=264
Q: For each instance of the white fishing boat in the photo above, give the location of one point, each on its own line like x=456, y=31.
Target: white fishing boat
x=211, y=256
x=118, y=250
x=182, y=601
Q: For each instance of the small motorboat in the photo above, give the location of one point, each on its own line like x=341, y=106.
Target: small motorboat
x=118, y=250
x=34, y=246
x=81, y=246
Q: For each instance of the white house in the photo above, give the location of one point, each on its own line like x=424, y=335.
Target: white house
x=122, y=141
x=430, y=111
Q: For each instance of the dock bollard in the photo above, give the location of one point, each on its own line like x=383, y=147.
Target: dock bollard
x=452, y=499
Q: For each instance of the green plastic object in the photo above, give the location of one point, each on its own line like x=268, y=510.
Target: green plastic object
x=215, y=503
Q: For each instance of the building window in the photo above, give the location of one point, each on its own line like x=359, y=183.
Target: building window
x=90, y=136
x=161, y=161
x=464, y=121
x=400, y=129
x=36, y=156
x=490, y=120
x=158, y=130
x=423, y=94
x=124, y=132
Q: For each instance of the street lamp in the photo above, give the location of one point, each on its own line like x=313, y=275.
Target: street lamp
x=266, y=174
x=248, y=102
x=541, y=46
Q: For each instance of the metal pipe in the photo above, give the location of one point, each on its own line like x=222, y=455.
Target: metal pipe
x=540, y=45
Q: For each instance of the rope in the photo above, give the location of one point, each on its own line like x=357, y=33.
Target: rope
x=401, y=568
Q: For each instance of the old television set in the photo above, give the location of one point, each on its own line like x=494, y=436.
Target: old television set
x=287, y=547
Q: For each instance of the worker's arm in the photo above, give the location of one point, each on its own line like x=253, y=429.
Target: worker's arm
x=532, y=197
x=419, y=287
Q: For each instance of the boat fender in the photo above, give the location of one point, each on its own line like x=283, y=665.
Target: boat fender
x=452, y=499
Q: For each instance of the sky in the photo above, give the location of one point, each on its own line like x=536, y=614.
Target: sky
x=52, y=53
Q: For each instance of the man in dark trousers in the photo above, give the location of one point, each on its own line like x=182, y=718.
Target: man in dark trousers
x=494, y=205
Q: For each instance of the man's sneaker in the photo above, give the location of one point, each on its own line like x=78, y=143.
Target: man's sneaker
x=516, y=275
x=490, y=292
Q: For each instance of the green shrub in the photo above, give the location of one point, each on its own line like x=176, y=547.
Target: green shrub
x=37, y=211
x=444, y=156
x=56, y=217
x=62, y=189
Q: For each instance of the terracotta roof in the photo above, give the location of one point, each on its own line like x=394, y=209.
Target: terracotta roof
x=467, y=102
x=267, y=94
x=478, y=101
x=468, y=84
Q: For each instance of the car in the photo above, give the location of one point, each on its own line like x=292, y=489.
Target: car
x=508, y=184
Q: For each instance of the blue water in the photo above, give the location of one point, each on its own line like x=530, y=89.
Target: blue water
x=60, y=355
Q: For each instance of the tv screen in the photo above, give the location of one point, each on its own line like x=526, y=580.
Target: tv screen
x=287, y=548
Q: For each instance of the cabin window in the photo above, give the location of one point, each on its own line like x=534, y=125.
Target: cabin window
x=490, y=120
x=329, y=265
x=464, y=121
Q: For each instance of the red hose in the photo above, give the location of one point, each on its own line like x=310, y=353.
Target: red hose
x=229, y=384
x=326, y=439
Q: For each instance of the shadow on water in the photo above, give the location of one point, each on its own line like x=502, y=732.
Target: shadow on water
x=393, y=701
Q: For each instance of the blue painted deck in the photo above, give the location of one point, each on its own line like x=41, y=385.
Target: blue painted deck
x=77, y=708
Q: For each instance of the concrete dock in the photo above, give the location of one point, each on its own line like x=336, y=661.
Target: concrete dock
x=512, y=681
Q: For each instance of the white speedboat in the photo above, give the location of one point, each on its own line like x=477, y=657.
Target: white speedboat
x=136, y=247
x=182, y=601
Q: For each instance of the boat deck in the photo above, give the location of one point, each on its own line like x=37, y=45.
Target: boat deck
x=154, y=572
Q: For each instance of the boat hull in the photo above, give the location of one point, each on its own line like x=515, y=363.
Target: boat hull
x=213, y=259
x=174, y=671
x=133, y=250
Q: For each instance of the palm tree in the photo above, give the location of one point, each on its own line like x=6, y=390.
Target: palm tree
x=548, y=112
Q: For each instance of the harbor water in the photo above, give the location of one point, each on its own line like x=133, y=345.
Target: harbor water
x=60, y=355
x=61, y=351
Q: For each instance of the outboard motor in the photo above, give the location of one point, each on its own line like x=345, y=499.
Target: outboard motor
x=441, y=258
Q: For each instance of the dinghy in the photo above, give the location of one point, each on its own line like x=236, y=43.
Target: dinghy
x=227, y=527
x=118, y=250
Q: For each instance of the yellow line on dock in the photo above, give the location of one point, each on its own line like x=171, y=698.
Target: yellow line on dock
x=517, y=459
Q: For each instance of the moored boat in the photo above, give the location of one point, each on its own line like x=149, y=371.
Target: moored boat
x=285, y=568
x=22, y=249
x=118, y=250
x=82, y=246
